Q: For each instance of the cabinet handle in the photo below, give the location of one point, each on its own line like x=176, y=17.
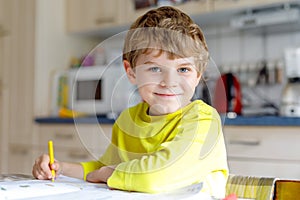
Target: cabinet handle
x=245, y=142
x=80, y=156
x=63, y=136
x=19, y=151
x=3, y=32
x=104, y=20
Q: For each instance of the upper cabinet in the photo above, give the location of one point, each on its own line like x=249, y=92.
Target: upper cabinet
x=190, y=7
x=219, y=5
x=88, y=16
x=100, y=16
x=92, y=15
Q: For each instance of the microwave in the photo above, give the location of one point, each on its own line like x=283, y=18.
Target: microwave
x=97, y=90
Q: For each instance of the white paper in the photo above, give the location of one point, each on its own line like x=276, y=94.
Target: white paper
x=71, y=189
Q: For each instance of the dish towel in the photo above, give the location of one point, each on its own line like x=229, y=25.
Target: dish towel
x=250, y=187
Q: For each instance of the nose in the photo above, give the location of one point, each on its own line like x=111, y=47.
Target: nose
x=169, y=79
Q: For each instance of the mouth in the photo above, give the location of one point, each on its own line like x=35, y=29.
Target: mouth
x=166, y=94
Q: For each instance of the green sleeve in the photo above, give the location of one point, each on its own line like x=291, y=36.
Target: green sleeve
x=90, y=166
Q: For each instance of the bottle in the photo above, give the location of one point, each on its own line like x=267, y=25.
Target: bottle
x=272, y=72
x=279, y=72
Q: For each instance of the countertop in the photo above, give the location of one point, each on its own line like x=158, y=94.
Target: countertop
x=81, y=120
x=238, y=121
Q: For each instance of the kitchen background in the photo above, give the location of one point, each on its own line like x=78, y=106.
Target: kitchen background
x=41, y=37
x=241, y=51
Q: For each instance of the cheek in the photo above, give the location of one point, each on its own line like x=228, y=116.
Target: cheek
x=144, y=79
x=145, y=92
x=190, y=83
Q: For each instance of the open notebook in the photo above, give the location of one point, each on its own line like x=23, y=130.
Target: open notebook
x=72, y=189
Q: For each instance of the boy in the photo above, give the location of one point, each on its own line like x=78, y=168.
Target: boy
x=165, y=142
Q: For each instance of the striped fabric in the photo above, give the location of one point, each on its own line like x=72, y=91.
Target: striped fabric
x=249, y=187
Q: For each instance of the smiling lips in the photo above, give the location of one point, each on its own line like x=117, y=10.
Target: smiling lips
x=166, y=95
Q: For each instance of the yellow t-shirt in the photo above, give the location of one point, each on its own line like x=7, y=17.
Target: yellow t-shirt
x=162, y=153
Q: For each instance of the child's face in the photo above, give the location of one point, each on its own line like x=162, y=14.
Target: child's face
x=165, y=84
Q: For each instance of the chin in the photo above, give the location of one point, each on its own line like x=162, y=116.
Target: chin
x=164, y=110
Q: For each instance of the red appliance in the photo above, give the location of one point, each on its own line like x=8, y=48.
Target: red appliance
x=228, y=94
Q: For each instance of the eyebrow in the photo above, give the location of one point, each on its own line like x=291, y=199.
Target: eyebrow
x=180, y=64
x=185, y=61
x=151, y=63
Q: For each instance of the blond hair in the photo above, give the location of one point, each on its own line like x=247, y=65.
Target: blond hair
x=167, y=29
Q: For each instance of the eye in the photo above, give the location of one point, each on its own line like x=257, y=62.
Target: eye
x=183, y=70
x=155, y=69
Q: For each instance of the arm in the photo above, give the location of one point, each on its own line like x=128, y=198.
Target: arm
x=72, y=169
x=100, y=175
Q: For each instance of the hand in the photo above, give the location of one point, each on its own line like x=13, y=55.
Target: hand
x=100, y=175
x=42, y=170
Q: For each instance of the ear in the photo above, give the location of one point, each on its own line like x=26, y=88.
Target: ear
x=129, y=72
x=198, y=78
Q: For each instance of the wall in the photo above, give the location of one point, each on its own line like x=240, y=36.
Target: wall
x=229, y=49
x=242, y=51
x=54, y=49
x=228, y=46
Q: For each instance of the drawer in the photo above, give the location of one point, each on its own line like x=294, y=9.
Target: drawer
x=279, y=169
x=73, y=155
x=91, y=138
x=61, y=135
x=21, y=158
x=263, y=142
x=94, y=138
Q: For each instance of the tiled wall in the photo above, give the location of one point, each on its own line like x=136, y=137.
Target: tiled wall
x=228, y=46
x=238, y=50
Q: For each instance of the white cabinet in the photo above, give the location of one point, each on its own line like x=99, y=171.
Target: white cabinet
x=253, y=150
x=191, y=8
x=17, y=75
x=99, y=17
x=1, y=82
x=263, y=151
x=21, y=158
x=82, y=142
x=88, y=16
x=93, y=15
x=219, y=5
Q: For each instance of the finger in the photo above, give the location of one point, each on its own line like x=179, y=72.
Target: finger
x=94, y=176
x=36, y=169
x=38, y=173
x=56, y=167
x=43, y=168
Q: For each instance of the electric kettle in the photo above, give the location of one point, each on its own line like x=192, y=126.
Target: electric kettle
x=228, y=94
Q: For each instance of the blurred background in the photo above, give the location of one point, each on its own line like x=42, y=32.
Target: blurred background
x=255, y=57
